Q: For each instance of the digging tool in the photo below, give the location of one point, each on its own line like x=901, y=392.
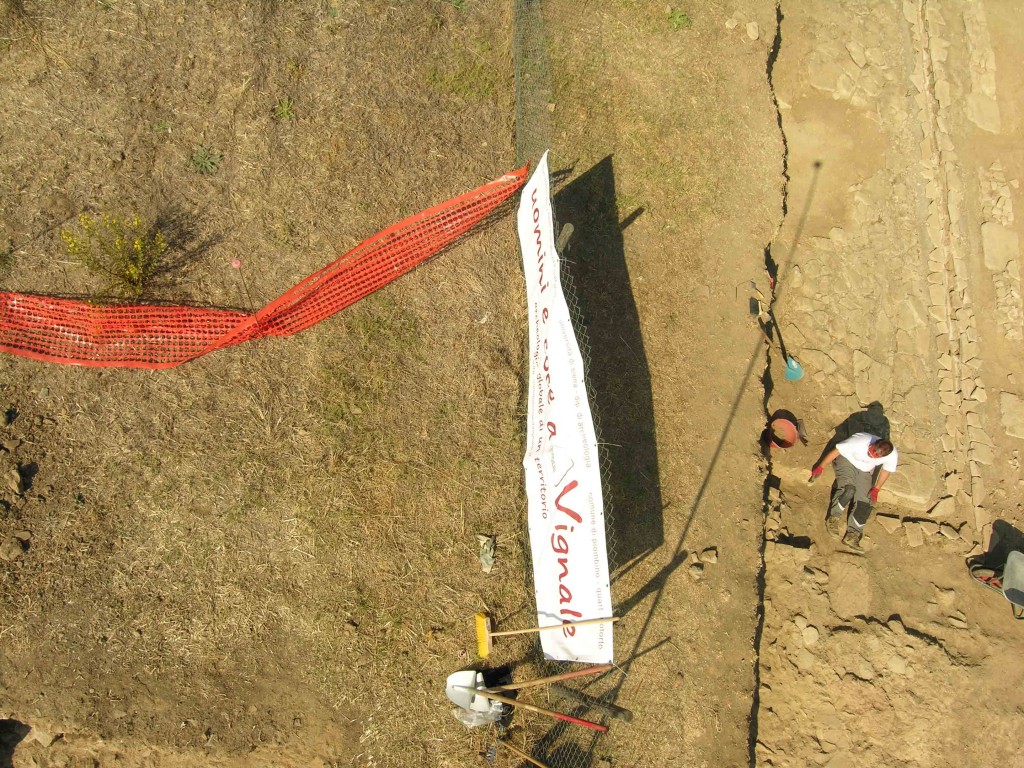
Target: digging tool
x=794, y=371
x=533, y=708
x=485, y=636
x=571, y=694
x=552, y=679
x=492, y=752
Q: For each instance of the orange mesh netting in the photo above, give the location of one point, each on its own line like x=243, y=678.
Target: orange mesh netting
x=154, y=336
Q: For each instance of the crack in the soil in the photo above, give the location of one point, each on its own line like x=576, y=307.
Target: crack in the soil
x=773, y=56
x=772, y=268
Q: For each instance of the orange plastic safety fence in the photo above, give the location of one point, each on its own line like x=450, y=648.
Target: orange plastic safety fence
x=154, y=336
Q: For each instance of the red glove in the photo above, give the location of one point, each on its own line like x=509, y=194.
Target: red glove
x=816, y=472
x=873, y=494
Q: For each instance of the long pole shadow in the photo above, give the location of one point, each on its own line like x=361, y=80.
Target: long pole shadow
x=656, y=584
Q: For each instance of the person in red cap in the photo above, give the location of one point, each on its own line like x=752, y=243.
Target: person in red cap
x=854, y=461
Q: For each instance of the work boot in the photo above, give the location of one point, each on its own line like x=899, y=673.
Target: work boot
x=834, y=524
x=852, y=539
x=837, y=508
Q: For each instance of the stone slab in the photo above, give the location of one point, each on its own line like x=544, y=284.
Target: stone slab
x=1011, y=414
x=1000, y=245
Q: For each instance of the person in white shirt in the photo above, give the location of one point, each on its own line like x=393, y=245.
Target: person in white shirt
x=854, y=461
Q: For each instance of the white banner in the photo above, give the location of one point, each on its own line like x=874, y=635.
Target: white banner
x=563, y=478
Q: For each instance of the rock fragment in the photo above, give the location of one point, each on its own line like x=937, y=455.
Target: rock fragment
x=14, y=482
x=949, y=532
x=857, y=53
x=810, y=635
x=890, y=523
x=943, y=508
x=915, y=536
x=804, y=660
x=11, y=549
x=897, y=664
x=43, y=737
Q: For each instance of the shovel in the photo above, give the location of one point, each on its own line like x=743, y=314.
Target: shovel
x=794, y=371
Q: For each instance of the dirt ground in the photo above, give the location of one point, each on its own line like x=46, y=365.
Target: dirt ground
x=898, y=283
x=268, y=556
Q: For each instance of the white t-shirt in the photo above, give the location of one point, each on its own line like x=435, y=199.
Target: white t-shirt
x=855, y=450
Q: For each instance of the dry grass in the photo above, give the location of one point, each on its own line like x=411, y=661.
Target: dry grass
x=278, y=540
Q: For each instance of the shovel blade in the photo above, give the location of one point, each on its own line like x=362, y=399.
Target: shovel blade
x=794, y=372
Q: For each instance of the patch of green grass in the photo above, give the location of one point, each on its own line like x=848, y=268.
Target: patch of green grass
x=162, y=126
x=385, y=323
x=460, y=5
x=678, y=19
x=205, y=160
x=625, y=204
x=284, y=109
x=471, y=76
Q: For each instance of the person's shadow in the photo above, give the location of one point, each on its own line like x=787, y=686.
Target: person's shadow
x=1004, y=540
x=605, y=315
x=872, y=420
x=11, y=734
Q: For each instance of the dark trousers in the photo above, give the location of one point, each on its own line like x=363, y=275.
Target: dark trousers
x=850, y=490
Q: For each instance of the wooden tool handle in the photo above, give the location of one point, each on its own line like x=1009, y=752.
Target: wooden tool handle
x=532, y=708
x=553, y=678
x=614, y=710
x=523, y=754
x=563, y=625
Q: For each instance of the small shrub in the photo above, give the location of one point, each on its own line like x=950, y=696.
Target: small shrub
x=205, y=160
x=284, y=109
x=126, y=253
x=678, y=19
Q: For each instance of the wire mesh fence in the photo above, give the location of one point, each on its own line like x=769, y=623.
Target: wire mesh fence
x=532, y=82
x=560, y=744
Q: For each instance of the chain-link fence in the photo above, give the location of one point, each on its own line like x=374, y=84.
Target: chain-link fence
x=532, y=82
x=561, y=744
